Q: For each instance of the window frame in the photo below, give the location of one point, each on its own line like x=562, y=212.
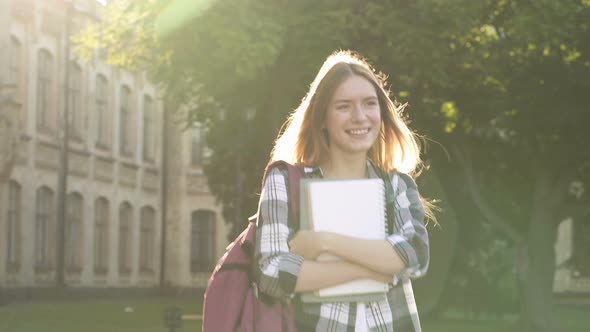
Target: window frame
x=125, y=236
x=147, y=239
x=125, y=112
x=45, y=85
x=198, y=145
x=13, y=227
x=148, y=131
x=75, y=104
x=203, y=241
x=101, y=110
x=43, y=229
x=16, y=65
x=101, y=235
x=74, y=232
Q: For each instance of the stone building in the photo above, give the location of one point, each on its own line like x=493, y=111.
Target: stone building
x=131, y=170
x=572, y=258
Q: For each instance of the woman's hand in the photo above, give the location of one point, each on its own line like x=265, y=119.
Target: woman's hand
x=307, y=244
x=380, y=277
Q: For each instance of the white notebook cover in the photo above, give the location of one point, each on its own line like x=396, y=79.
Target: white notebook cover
x=348, y=207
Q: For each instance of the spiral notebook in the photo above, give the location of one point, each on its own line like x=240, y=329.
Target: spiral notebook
x=348, y=207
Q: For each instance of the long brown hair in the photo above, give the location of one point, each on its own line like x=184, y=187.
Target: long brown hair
x=302, y=140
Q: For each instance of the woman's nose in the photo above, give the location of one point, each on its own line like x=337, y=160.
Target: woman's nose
x=358, y=113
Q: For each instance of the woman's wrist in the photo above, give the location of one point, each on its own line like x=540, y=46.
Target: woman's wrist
x=326, y=241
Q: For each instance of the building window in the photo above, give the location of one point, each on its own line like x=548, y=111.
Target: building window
x=202, y=241
x=582, y=247
x=74, y=232
x=147, y=239
x=15, y=66
x=13, y=227
x=125, y=215
x=198, y=150
x=101, y=235
x=45, y=81
x=102, y=111
x=148, y=122
x=75, y=101
x=125, y=121
x=44, y=231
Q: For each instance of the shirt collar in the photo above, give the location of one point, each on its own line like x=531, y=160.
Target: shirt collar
x=316, y=171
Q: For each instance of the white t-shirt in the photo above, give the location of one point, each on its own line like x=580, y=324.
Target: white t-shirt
x=361, y=324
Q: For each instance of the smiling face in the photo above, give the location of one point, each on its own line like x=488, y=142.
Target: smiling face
x=353, y=117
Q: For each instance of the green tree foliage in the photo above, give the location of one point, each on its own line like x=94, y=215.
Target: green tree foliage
x=514, y=118
x=502, y=85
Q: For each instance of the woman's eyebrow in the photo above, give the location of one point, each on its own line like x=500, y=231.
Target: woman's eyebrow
x=344, y=100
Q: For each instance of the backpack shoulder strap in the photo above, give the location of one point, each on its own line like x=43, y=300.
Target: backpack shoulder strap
x=294, y=174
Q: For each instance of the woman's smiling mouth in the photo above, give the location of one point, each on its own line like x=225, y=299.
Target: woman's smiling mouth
x=358, y=131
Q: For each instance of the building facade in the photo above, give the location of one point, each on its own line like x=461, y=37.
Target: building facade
x=572, y=257
x=122, y=194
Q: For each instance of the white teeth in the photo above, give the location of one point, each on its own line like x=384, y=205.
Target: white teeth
x=358, y=131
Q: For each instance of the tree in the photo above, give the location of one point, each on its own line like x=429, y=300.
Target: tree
x=537, y=66
x=484, y=78
x=488, y=80
x=234, y=59
x=514, y=117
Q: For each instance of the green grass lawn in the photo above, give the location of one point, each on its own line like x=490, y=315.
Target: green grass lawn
x=147, y=316
x=570, y=318
x=93, y=316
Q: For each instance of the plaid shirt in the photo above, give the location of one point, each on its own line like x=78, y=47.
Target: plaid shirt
x=279, y=268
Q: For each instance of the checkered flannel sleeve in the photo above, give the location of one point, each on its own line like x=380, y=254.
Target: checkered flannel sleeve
x=278, y=267
x=410, y=238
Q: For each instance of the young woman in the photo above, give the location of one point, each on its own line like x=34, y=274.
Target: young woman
x=345, y=127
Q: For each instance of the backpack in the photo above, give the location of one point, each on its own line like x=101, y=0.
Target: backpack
x=231, y=301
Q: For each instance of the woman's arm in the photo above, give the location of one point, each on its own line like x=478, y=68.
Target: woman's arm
x=278, y=267
x=316, y=275
x=405, y=252
x=377, y=255
x=282, y=270
x=410, y=237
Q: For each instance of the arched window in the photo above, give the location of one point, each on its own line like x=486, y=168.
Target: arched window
x=125, y=218
x=15, y=65
x=202, y=241
x=44, y=230
x=74, y=244
x=75, y=110
x=101, y=235
x=197, y=144
x=45, y=84
x=148, y=131
x=102, y=111
x=13, y=227
x=147, y=239
x=125, y=134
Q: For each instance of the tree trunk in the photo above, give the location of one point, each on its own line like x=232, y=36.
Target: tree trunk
x=537, y=253
x=537, y=287
x=537, y=282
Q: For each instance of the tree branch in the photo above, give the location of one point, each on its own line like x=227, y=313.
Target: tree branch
x=486, y=211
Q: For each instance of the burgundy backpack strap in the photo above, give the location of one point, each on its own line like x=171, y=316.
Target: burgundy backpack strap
x=295, y=174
